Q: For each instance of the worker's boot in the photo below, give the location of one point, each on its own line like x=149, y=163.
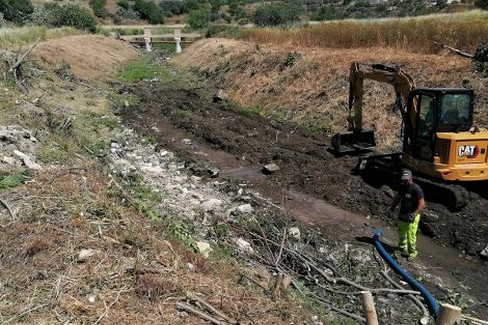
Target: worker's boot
x=412, y=256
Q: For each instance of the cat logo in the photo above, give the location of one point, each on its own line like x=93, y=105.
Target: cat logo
x=469, y=151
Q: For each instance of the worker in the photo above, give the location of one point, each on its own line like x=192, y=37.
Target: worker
x=412, y=203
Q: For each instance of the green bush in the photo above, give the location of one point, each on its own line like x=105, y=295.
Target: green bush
x=17, y=11
x=173, y=7
x=54, y=15
x=124, y=4
x=483, y=4
x=198, y=19
x=150, y=11
x=98, y=7
x=325, y=13
x=276, y=14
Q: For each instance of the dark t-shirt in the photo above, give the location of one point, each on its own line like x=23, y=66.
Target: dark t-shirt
x=410, y=198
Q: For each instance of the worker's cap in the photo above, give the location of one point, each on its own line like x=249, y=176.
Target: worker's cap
x=406, y=175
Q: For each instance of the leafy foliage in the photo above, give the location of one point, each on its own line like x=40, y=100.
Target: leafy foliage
x=98, y=7
x=150, y=11
x=174, y=7
x=16, y=11
x=13, y=180
x=480, y=58
x=198, y=19
x=54, y=15
x=483, y=4
x=276, y=14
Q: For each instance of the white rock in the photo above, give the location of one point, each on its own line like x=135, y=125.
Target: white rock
x=85, y=254
x=244, y=246
x=204, y=248
x=294, y=232
x=211, y=204
x=27, y=160
x=245, y=208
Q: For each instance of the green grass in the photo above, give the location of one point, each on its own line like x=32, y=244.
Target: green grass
x=141, y=69
x=12, y=180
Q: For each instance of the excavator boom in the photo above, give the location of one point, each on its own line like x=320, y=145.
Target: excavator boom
x=357, y=139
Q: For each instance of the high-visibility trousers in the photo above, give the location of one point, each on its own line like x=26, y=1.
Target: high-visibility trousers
x=407, y=233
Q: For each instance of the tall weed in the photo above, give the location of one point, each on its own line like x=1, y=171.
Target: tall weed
x=420, y=34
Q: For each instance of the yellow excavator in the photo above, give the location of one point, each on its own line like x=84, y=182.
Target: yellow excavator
x=440, y=143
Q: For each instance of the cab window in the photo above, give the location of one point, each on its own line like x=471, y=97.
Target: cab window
x=455, y=109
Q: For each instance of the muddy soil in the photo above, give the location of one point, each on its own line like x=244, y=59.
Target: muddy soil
x=309, y=176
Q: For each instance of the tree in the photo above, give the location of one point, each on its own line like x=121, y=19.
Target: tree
x=276, y=14
x=483, y=4
x=54, y=15
x=17, y=11
x=150, y=11
x=198, y=19
x=98, y=7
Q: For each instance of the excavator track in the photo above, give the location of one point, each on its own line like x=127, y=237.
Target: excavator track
x=379, y=169
x=454, y=196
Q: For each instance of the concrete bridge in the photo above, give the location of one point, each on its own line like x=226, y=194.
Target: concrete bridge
x=148, y=38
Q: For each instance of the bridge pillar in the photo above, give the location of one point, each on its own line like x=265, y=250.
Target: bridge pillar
x=147, y=39
x=178, y=40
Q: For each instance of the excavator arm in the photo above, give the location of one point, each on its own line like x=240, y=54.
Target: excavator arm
x=358, y=140
x=401, y=81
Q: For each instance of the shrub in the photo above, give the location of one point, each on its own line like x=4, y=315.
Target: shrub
x=54, y=15
x=483, y=4
x=16, y=11
x=98, y=7
x=124, y=4
x=276, y=14
x=173, y=7
x=198, y=19
x=325, y=13
x=149, y=11
x=480, y=59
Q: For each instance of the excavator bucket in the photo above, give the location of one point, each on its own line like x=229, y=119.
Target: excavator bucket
x=353, y=142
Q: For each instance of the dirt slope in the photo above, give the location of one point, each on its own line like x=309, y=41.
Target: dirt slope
x=75, y=247
x=290, y=84
x=310, y=86
x=131, y=270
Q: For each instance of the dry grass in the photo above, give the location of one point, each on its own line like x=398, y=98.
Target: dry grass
x=13, y=38
x=313, y=90
x=463, y=30
x=72, y=210
x=88, y=56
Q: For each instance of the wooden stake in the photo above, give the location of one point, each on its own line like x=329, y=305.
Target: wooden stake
x=448, y=315
x=368, y=307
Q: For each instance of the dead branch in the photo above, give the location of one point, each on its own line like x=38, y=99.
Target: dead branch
x=30, y=310
x=459, y=52
x=202, y=315
x=110, y=306
x=211, y=308
x=22, y=57
x=15, y=63
x=379, y=290
x=340, y=311
x=476, y=321
x=12, y=215
x=368, y=306
x=312, y=264
x=415, y=300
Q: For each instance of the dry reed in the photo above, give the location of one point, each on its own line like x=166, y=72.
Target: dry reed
x=464, y=31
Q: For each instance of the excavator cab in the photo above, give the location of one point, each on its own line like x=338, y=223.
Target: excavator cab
x=440, y=139
x=434, y=110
